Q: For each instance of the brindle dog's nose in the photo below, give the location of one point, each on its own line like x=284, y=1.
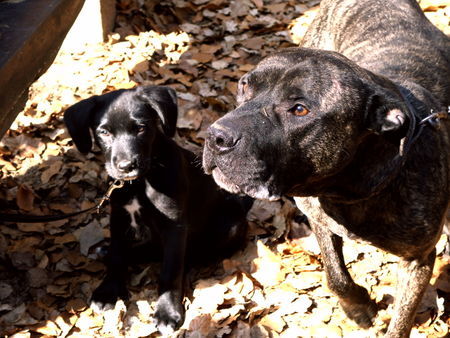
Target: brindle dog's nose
x=221, y=139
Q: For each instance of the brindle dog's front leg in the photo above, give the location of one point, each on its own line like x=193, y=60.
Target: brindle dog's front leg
x=413, y=278
x=354, y=299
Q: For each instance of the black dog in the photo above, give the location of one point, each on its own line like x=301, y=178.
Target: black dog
x=169, y=202
x=340, y=131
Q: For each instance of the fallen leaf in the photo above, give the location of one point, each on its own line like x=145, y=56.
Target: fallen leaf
x=52, y=170
x=267, y=268
x=88, y=236
x=75, y=305
x=25, y=198
x=274, y=322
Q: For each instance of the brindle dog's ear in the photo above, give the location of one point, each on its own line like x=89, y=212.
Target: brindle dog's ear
x=164, y=101
x=385, y=114
x=78, y=119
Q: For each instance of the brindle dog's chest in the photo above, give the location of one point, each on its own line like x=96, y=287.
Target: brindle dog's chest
x=374, y=227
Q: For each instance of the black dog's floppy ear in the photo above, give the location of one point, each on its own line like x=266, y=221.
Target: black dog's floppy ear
x=385, y=114
x=78, y=119
x=164, y=101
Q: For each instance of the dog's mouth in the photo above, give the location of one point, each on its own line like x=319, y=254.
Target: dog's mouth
x=255, y=191
x=124, y=176
x=129, y=178
x=224, y=182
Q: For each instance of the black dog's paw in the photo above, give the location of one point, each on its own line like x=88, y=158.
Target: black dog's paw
x=169, y=314
x=361, y=313
x=106, y=295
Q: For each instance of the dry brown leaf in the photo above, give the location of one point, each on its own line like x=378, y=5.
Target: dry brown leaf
x=203, y=57
x=75, y=305
x=277, y=8
x=267, y=268
x=209, y=49
x=253, y=43
x=52, y=170
x=258, y=3
x=201, y=324
x=306, y=280
x=67, y=238
x=25, y=198
x=49, y=329
x=433, y=5
x=329, y=331
x=273, y=321
x=88, y=236
x=31, y=227
x=208, y=295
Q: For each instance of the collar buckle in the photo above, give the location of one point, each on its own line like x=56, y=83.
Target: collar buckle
x=117, y=184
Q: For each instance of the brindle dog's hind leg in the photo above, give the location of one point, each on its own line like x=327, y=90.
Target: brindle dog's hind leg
x=413, y=278
x=353, y=298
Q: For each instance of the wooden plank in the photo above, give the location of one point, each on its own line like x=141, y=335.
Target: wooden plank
x=31, y=32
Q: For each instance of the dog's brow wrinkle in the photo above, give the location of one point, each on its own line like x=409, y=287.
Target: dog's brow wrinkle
x=218, y=126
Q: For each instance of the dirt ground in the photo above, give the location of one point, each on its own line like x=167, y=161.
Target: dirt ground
x=273, y=288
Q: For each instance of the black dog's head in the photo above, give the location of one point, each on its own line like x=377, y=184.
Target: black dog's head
x=301, y=115
x=124, y=123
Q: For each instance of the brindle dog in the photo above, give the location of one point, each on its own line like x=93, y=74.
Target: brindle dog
x=336, y=124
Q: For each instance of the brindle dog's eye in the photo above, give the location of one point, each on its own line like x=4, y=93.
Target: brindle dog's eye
x=299, y=110
x=244, y=86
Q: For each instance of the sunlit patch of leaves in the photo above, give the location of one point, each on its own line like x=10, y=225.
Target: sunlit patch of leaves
x=275, y=287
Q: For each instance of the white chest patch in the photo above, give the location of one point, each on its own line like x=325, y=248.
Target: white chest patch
x=133, y=209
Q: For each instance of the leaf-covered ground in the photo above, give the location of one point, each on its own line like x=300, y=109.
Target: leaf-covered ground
x=273, y=288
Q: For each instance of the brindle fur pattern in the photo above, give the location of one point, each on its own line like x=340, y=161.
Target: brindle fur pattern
x=363, y=63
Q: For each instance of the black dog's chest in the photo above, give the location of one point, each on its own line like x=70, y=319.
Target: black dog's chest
x=143, y=211
x=138, y=221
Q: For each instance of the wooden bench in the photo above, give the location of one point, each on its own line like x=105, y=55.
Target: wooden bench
x=31, y=33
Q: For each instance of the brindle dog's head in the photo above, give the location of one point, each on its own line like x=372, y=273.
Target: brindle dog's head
x=301, y=115
x=124, y=123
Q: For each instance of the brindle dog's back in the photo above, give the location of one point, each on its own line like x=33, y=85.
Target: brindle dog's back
x=394, y=39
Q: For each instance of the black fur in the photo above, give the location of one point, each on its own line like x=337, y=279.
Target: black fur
x=335, y=129
x=168, y=203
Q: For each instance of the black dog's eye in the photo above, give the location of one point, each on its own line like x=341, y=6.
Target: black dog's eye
x=140, y=128
x=103, y=132
x=299, y=110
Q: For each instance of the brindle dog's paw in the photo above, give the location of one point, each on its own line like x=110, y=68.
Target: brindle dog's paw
x=106, y=295
x=169, y=314
x=361, y=313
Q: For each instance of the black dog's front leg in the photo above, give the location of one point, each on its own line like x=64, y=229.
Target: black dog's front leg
x=113, y=286
x=169, y=309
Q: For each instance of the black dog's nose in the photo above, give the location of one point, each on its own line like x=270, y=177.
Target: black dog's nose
x=221, y=138
x=125, y=165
